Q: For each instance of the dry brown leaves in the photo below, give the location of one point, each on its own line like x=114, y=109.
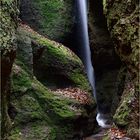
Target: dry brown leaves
x=116, y=133
x=75, y=93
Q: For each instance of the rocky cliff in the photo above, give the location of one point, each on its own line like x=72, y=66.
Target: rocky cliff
x=123, y=24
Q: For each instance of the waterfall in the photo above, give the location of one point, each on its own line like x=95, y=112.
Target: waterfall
x=82, y=23
x=84, y=42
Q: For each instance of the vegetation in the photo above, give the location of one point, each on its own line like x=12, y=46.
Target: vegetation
x=36, y=109
x=39, y=110
x=54, y=17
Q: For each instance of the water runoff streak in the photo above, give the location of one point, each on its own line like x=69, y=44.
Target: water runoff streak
x=82, y=7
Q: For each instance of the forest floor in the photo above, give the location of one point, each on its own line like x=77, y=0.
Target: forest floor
x=75, y=93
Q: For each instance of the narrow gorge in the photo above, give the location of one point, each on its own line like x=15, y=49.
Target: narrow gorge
x=69, y=69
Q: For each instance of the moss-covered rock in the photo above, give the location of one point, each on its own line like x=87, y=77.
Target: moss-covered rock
x=122, y=19
x=40, y=114
x=52, y=17
x=127, y=113
x=121, y=116
x=53, y=62
x=36, y=111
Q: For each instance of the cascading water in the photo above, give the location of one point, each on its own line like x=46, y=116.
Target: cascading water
x=82, y=7
x=84, y=39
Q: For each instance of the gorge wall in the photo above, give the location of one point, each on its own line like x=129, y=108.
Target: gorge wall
x=123, y=24
x=105, y=60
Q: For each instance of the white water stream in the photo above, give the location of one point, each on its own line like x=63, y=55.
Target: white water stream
x=86, y=53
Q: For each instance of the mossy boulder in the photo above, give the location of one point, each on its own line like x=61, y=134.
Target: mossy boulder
x=35, y=110
x=38, y=113
x=53, y=62
x=52, y=17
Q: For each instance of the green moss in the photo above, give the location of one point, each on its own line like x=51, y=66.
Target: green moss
x=58, y=58
x=31, y=131
x=20, y=79
x=55, y=18
x=121, y=116
x=40, y=113
x=80, y=80
x=8, y=25
x=24, y=50
x=28, y=109
x=106, y=138
x=50, y=101
x=22, y=82
x=123, y=18
x=60, y=54
x=19, y=63
x=62, y=132
x=15, y=134
x=37, y=107
x=55, y=49
x=122, y=21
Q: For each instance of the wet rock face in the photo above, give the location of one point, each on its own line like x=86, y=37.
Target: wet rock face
x=52, y=17
x=122, y=21
x=105, y=60
x=102, y=47
x=123, y=26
